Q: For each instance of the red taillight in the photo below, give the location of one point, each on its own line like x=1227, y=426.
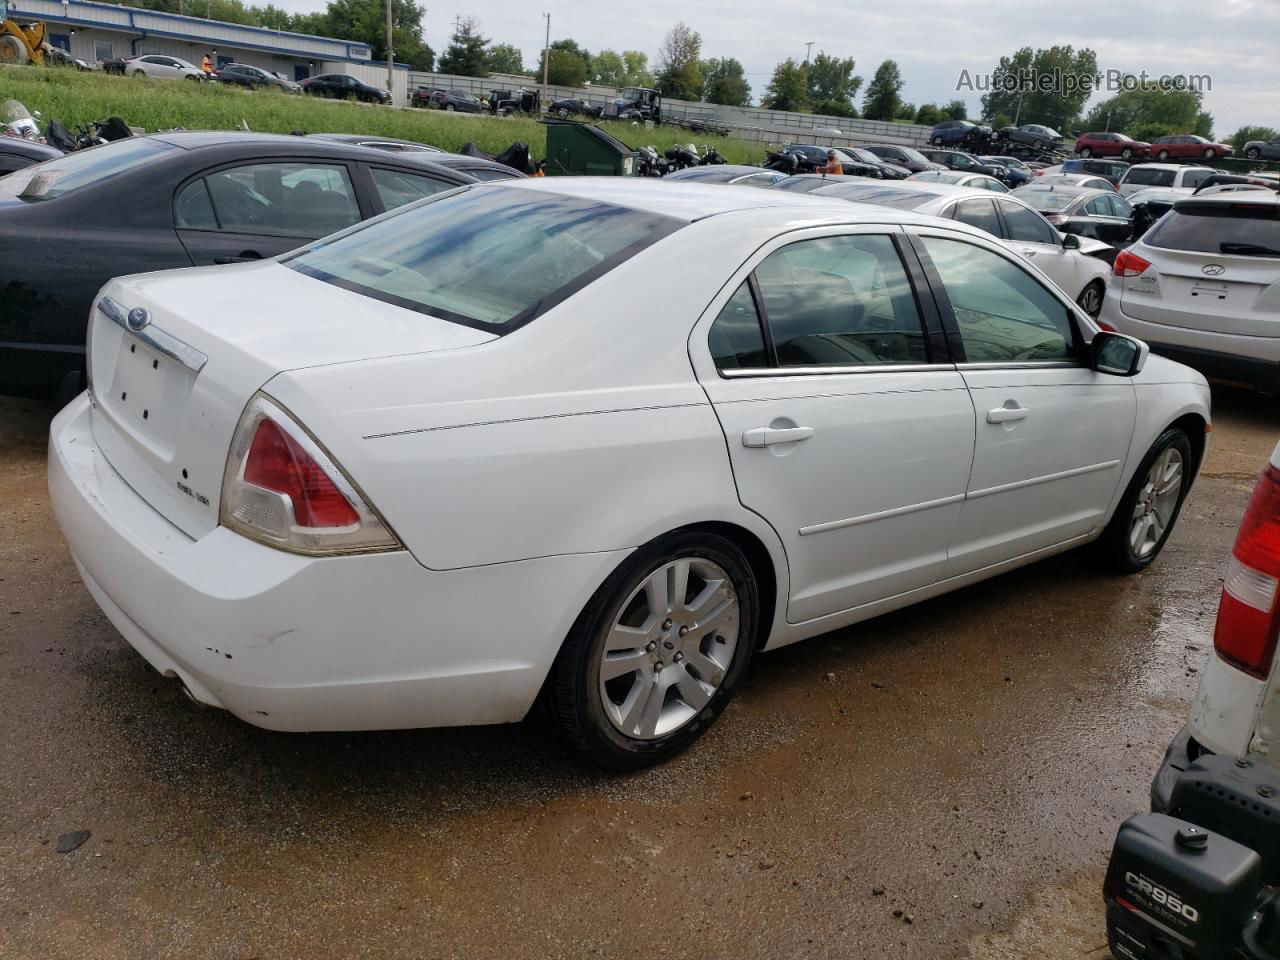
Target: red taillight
x=277, y=462
x=1129, y=264
x=1248, y=618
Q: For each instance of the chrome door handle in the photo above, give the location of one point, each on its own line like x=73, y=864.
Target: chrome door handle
x=1007, y=414
x=1028, y=253
x=768, y=436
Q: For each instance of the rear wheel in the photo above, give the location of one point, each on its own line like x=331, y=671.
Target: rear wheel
x=450, y=106
x=1038, y=144
x=1090, y=299
x=1150, y=506
x=655, y=656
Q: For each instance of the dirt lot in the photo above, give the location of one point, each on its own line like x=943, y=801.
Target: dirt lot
x=942, y=782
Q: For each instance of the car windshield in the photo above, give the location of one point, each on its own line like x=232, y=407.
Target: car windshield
x=915, y=156
x=1241, y=228
x=84, y=168
x=491, y=257
x=1149, y=177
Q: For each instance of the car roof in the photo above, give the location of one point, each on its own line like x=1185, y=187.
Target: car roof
x=1167, y=166
x=741, y=169
x=359, y=138
x=1250, y=197
x=692, y=201
x=456, y=160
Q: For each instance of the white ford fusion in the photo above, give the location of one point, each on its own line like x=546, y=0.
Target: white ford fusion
x=591, y=441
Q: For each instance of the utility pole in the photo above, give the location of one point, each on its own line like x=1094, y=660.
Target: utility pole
x=546, y=59
x=391, y=56
x=808, y=49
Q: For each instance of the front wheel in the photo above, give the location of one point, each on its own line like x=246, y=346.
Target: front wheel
x=450, y=106
x=1086, y=152
x=657, y=653
x=1162, y=156
x=1039, y=144
x=1150, y=506
x=1253, y=153
x=1126, y=154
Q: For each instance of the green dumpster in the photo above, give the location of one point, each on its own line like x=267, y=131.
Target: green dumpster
x=580, y=149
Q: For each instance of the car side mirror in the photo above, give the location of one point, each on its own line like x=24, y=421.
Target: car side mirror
x=1071, y=242
x=1117, y=354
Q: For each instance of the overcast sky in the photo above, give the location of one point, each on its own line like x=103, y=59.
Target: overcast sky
x=1235, y=42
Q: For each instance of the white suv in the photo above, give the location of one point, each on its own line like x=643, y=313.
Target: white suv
x=1203, y=286
x=1174, y=176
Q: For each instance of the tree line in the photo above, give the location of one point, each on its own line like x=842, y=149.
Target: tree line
x=826, y=84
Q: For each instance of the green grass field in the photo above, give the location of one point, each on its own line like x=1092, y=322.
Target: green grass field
x=79, y=98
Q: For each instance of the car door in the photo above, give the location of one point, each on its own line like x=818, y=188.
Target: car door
x=848, y=428
x=1034, y=237
x=1051, y=433
x=1111, y=217
x=263, y=208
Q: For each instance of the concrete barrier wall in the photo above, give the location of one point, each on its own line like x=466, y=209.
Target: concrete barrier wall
x=748, y=123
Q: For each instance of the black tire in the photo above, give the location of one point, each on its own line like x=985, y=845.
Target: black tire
x=1209, y=154
x=1253, y=153
x=1086, y=152
x=1162, y=156
x=1114, y=548
x=1126, y=154
x=450, y=106
x=1038, y=144
x=572, y=694
x=1090, y=299
x=936, y=141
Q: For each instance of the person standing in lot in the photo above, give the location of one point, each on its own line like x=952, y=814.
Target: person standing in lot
x=206, y=64
x=833, y=167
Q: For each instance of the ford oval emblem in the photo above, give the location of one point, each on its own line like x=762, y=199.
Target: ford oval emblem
x=138, y=318
x=1213, y=269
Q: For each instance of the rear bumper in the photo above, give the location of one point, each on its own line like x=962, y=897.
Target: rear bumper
x=299, y=643
x=1254, y=360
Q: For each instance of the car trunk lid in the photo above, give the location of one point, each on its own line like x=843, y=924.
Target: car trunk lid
x=174, y=357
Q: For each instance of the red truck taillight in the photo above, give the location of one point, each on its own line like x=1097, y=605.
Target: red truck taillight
x=1248, y=616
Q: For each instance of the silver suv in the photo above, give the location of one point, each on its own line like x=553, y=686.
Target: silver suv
x=1203, y=286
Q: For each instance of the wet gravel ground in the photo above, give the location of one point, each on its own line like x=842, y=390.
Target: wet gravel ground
x=942, y=782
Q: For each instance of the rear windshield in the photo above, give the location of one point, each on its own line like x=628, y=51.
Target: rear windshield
x=84, y=168
x=489, y=257
x=882, y=196
x=1247, y=229
x=1150, y=178
x=1047, y=199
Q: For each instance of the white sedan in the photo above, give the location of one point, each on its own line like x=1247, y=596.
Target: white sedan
x=159, y=67
x=593, y=440
x=1073, y=263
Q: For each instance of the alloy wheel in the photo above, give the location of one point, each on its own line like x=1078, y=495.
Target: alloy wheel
x=669, y=648
x=1157, y=501
x=1086, y=153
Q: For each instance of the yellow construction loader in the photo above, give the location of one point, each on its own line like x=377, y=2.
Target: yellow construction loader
x=21, y=42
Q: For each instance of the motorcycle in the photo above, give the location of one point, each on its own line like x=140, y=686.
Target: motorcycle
x=90, y=135
x=16, y=121
x=651, y=163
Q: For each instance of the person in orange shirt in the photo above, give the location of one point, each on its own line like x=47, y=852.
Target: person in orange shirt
x=833, y=168
x=206, y=64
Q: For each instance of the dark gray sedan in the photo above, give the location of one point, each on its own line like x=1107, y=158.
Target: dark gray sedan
x=1101, y=214
x=170, y=200
x=1262, y=149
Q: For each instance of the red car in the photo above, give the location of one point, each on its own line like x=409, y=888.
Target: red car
x=1187, y=146
x=1110, y=145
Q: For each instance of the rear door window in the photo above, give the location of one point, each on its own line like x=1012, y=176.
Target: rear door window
x=978, y=213
x=284, y=199
x=736, y=340
x=1149, y=177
